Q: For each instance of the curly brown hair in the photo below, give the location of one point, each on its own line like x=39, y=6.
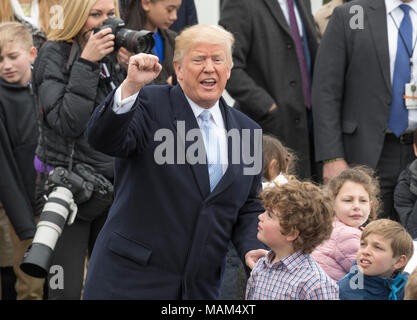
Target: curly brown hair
x=361, y=175
x=302, y=206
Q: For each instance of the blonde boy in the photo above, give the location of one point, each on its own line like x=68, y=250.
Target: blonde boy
x=18, y=140
x=385, y=248
x=297, y=219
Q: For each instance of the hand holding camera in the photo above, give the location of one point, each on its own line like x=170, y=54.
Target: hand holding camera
x=99, y=45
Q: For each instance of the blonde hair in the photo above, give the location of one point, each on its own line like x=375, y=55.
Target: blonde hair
x=6, y=12
x=17, y=33
x=195, y=34
x=76, y=13
x=302, y=207
x=361, y=175
x=410, y=291
x=401, y=241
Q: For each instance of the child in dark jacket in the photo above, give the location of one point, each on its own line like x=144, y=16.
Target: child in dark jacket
x=18, y=140
x=405, y=195
x=385, y=248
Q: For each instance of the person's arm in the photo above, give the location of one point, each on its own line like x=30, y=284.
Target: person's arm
x=332, y=168
x=68, y=101
x=244, y=236
x=119, y=132
x=236, y=17
x=405, y=199
x=327, y=94
x=250, y=287
x=347, y=246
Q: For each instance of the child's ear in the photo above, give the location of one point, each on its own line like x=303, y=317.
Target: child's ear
x=145, y=5
x=272, y=171
x=401, y=262
x=33, y=53
x=293, y=235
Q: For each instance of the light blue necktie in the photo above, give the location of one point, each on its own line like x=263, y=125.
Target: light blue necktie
x=212, y=146
x=398, y=118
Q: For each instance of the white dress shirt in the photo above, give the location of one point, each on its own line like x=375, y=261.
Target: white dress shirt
x=392, y=7
x=123, y=106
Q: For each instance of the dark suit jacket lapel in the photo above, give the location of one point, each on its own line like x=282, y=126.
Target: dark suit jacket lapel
x=276, y=11
x=232, y=169
x=377, y=17
x=182, y=112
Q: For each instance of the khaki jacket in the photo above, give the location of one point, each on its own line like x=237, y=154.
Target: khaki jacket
x=323, y=15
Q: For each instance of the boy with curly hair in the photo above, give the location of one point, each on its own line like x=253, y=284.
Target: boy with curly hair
x=297, y=219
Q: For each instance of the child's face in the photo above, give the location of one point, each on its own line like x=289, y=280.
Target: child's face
x=160, y=14
x=375, y=257
x=352, y=204
x=15, y=63
x=269, y=231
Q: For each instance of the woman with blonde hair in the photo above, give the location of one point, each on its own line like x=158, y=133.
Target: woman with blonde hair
x=70, y=80
x=34, y=14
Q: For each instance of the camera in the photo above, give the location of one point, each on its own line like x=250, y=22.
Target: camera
x=59, y=207
x=81, y=189
x=132, y=40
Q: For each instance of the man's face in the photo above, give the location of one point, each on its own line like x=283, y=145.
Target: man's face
x=375, y=257
x=15, y=63
x=203, y=73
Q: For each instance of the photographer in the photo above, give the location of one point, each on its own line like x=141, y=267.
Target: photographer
x=70, y=80
x=405, y=195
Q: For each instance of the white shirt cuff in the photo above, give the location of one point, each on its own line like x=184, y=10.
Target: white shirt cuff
x=122, y=106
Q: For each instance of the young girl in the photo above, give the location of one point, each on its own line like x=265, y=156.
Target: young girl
x=355, y=198
x=156, y=16
x=278, y=161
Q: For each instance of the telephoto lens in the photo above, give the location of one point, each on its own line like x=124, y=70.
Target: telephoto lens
x=135, y=41
x=59, y=208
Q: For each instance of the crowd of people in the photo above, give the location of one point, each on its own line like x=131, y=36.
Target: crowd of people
x=305, y=189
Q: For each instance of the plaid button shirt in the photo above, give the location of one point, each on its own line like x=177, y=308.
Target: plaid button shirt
x=296, y=277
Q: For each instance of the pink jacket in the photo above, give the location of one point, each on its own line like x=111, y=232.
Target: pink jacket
x=337, y=254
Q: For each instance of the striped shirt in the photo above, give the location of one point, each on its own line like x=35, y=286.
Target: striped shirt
x=296, y=277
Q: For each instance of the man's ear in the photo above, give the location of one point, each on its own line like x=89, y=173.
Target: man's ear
x=178, y=70
x=401, y=262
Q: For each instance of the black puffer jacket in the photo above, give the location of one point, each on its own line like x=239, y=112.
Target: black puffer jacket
x=67, y=93
x=405, y=201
